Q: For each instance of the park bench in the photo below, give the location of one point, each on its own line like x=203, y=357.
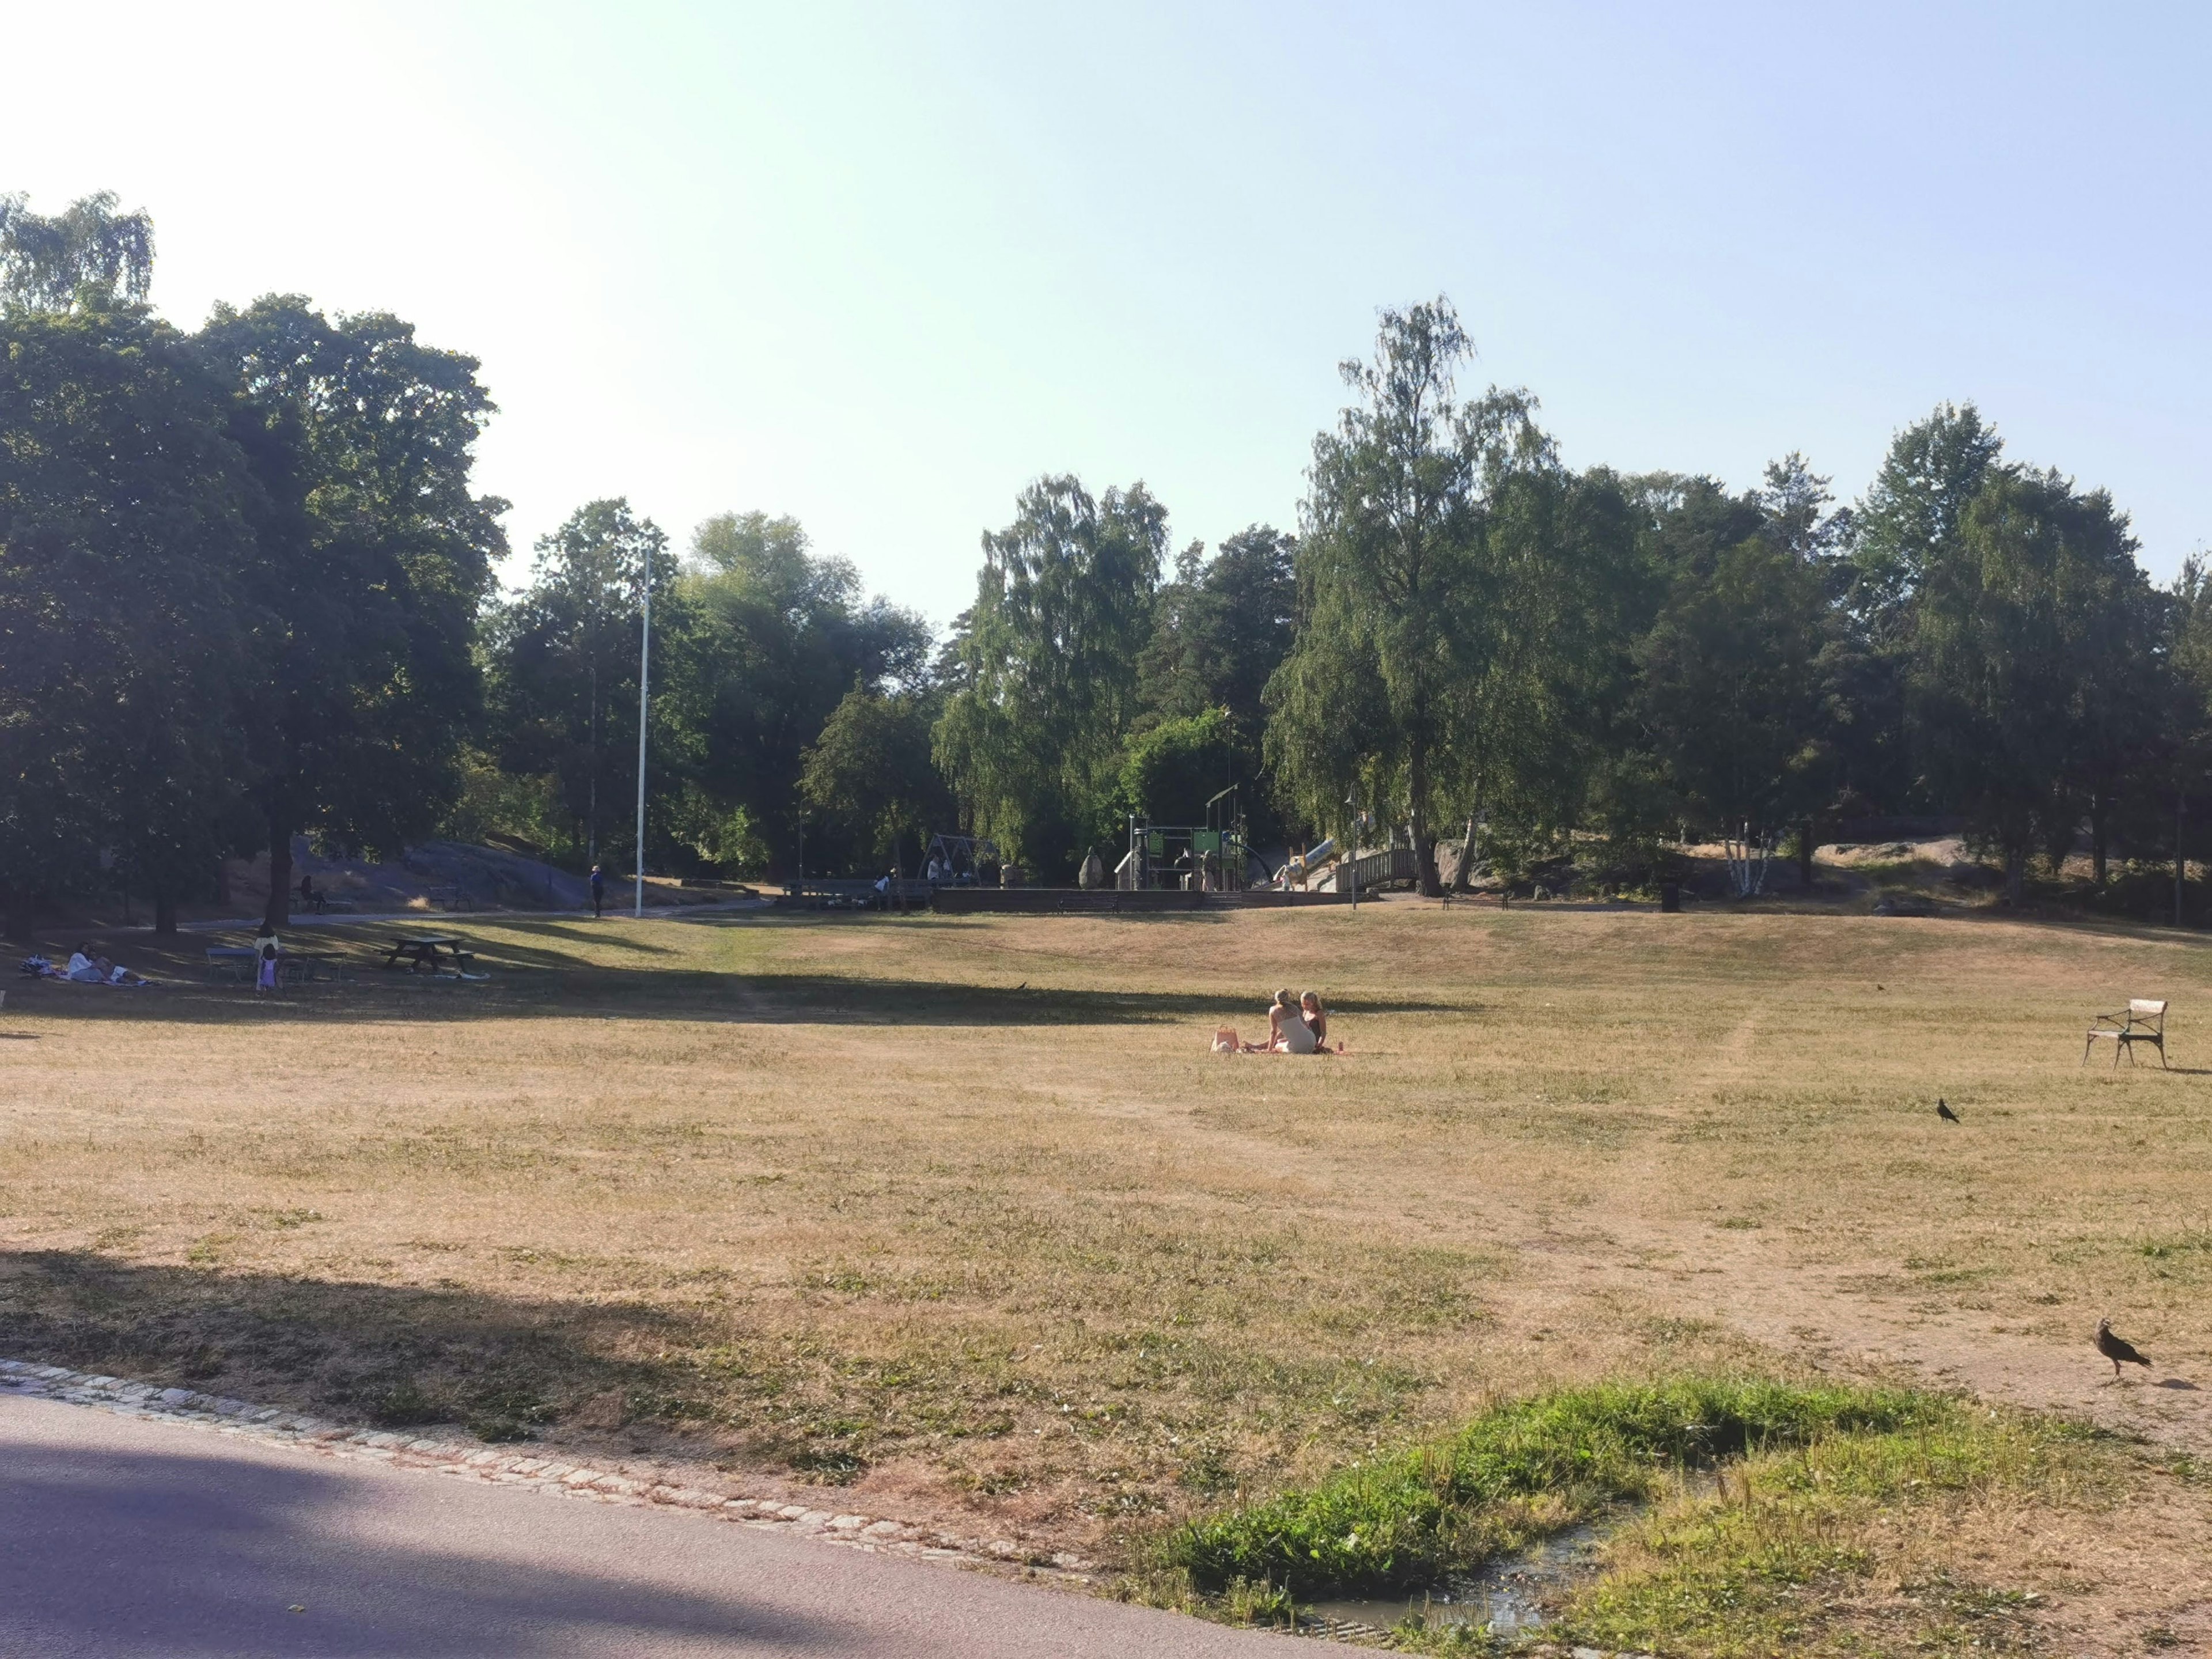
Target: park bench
x=2141, y=1021
x=236, y=960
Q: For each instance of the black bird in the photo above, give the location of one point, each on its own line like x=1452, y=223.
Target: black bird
x=1946, y=1113
x=2117, y=1349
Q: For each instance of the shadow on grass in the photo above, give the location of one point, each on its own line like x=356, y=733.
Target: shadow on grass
x=525, y=981
x=361, y=1353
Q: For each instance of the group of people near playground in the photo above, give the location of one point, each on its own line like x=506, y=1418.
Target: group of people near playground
x=1296, y=1025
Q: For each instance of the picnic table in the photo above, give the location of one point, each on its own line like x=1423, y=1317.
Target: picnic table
x=431, y=953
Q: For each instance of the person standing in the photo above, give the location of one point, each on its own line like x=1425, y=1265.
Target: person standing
x=599, y=890
x=264, y=959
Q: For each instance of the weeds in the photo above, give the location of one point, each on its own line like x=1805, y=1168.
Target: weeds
x=1516, y=1473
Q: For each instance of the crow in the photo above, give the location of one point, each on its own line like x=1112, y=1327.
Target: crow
x=2117, y=1348
x=1944, y=1112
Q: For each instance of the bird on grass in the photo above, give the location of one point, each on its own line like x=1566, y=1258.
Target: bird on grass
x=1944, y=1112
x=2118, y=1349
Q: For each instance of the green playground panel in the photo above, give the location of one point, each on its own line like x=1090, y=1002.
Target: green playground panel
x=1206, y=840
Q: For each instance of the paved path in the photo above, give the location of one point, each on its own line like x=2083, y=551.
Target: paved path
x=126, y=1537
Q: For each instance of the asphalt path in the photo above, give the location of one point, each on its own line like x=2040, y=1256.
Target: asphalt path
x=121, y=1537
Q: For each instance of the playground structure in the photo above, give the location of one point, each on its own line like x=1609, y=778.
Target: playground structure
x=1325, y=868
x=960, y=860
x=1188, y=858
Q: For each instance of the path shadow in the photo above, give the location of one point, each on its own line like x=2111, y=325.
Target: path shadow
x=201, y=1549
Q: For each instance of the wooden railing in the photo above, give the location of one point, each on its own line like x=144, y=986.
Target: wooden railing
x=1381, y=869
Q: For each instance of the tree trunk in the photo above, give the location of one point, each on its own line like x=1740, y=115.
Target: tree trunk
x=165, y=912
x=21, y=910
x=1463, y=877
x=279, y=913
x=2015, y=872
x=2098, y=837
x=1805, y=844
x=222, y=882
x=1417, y=819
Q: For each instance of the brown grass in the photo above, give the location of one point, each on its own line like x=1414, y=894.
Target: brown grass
x=962, y=1211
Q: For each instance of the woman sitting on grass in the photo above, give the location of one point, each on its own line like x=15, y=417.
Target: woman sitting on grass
x=1314, y=1019
x=1295, y=1026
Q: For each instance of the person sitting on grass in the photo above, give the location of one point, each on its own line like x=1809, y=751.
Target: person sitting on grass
x=1288, y=1031
x=83, y=970
x=1314, y=1019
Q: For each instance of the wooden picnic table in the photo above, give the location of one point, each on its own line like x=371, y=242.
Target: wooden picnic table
x=431, y=953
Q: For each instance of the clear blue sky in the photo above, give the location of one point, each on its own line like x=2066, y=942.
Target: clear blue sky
x=878, y=267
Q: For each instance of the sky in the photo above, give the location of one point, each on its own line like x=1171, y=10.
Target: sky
x=880, y=267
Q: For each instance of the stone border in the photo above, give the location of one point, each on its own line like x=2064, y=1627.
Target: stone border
x=472, y=1461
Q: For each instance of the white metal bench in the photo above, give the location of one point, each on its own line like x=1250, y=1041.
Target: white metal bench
x=2143, y=1021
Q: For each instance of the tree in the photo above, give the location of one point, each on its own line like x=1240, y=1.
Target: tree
x=1220, y=630
x=372, y=557
x=1170, y=771
x=779, y=637
x=1731, y=689
x=90, y=251
x=870, y=773
x=1914, y=511
x=562, y=663
x=1032, y=732
x=1431, y=546
x=2023, y=625
x=123, y=526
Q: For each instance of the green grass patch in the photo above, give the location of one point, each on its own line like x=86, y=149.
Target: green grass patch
x=1778, y=1559
x=1516, y=1473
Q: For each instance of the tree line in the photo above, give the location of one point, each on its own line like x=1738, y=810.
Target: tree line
x=248, y=591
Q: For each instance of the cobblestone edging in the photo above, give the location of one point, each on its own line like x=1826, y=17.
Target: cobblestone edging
x=470, y=1460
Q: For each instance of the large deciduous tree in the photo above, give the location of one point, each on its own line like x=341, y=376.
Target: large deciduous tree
x=374, y=554
x=1457, y=591
x=1045, y=688
x=2025, y=621
x=123, y=527
x=778, y=636
x=562, y=658
x=45, y=264
x=869, y=777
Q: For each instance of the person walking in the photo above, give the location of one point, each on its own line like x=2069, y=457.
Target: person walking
x=599, y=890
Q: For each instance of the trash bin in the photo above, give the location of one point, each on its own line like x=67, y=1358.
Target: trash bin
x=1670, y=896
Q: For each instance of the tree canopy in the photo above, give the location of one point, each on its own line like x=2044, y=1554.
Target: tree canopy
x=247, y=591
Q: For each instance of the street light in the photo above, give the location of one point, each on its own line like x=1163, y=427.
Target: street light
x=644, y=667
x=1359, y=828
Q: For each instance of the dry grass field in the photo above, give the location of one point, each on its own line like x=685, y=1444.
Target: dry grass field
x=960, y=1214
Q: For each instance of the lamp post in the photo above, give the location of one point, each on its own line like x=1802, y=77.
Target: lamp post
x=1351, y=865
x=644, y=671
